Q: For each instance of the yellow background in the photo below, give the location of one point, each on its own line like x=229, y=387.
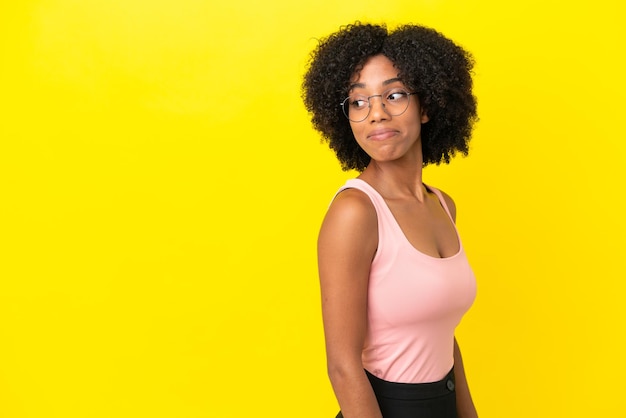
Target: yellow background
x=161, y=190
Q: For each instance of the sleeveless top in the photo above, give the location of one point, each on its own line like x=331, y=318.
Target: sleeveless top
x=415, y=301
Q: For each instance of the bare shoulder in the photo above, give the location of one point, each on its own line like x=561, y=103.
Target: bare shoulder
x=350, y=211
x=350, y=223
x=450, y=203
x=354, y=204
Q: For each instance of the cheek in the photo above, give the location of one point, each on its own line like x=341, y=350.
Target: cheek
x=357, y=130
x=359, y=135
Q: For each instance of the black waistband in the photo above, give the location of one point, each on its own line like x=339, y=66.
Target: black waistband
x=410, y=391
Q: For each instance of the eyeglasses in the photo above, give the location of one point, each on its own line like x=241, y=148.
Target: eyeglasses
x=394, y=101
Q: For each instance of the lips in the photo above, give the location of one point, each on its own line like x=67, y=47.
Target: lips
x=381, y=134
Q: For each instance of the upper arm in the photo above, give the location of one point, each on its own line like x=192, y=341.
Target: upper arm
x=346, y=246
x=450, y=203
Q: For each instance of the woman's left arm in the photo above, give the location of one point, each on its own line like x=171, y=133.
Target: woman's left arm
x=464, y=403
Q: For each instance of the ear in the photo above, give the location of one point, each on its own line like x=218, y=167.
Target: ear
x=424, y=117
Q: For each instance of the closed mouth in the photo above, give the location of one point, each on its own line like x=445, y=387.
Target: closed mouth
x=381, y=133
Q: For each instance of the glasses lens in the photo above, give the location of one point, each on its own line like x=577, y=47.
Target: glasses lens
x=356, y=108
x=394, y=101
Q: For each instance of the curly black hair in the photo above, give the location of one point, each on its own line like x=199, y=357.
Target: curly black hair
x=428, y=63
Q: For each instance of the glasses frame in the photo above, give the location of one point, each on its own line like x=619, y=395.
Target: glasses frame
x=345, y=110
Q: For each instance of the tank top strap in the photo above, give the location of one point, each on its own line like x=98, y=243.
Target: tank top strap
x=388, y=228
x=382, y=210
x=441, y=200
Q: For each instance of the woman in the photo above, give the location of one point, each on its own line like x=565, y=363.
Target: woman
x=395, y=280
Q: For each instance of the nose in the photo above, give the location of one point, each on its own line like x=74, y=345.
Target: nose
x=377, y=109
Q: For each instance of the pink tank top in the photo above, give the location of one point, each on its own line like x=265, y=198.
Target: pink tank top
x=415, y=301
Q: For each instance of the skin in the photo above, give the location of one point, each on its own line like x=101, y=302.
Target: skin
x=349, y=236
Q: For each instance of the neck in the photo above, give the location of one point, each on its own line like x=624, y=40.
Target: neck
x=396, y=179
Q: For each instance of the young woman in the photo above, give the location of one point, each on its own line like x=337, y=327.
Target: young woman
x=395, y=280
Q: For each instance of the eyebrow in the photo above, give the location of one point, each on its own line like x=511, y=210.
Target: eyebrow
x=385, y=83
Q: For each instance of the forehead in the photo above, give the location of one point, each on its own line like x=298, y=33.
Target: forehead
x=377, y=71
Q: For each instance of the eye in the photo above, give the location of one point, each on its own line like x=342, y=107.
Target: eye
x=396, y=96
x=358, y=102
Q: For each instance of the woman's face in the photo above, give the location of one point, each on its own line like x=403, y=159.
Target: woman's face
x=382, y=136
